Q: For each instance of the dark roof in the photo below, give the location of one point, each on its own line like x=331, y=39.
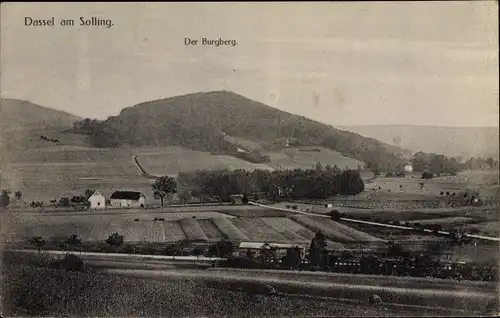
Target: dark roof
x=126, y=195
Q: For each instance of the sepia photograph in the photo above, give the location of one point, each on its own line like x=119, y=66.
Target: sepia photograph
x=251, y=159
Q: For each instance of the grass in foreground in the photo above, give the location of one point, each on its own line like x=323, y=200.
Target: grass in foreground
x=31, y=290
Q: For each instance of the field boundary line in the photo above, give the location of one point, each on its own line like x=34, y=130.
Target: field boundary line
x=487, y=238
x=141, y=169
x=125, y=256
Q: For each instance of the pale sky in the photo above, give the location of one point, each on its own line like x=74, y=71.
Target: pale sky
x=345, y=63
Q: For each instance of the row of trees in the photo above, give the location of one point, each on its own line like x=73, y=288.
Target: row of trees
x=436, y=164
x=316, y=183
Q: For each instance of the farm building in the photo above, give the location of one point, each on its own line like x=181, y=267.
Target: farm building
x=128, y=199
x=280, y=248
x=97, y=201
x=408, y=168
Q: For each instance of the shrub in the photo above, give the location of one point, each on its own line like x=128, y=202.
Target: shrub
x=375, y=299
x=427, y=175
x=335, y=215
x=129, y=249
x=295, y=207
x=70, y=262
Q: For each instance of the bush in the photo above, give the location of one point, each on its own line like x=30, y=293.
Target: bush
x=427, y=175
x=335, y=215
x=295, y=207
x=129, y=249
x=70, y=262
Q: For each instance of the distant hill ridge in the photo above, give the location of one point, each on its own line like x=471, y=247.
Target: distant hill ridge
x=199, y=121
x=450, y=141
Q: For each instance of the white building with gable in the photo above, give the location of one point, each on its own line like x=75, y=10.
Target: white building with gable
x=97, y=201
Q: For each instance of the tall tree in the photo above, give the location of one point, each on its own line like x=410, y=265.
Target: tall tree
x=18, y=195
x=317, y=249
x=164, y=186
x=38, y=242
x=185, y=196
x=88, y=193
x=5, y=198
x=115, y=240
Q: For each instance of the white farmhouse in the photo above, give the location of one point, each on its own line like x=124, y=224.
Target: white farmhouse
x=97, y=201
x=128, y=199
x=408, y=168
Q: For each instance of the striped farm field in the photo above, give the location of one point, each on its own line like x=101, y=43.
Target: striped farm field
x=144, y=231
x=173, y=231
x=211, y=230
x=291, y=230
x=229, y=229
x=192, y=230
x=315, y=226
x=257, y=230
x=357, y=235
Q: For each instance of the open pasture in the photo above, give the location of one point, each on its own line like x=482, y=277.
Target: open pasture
x=331, y=233
x=211, y=230
x=291, y=230
x=257, y=230
x=307, y=158
x=172, y=160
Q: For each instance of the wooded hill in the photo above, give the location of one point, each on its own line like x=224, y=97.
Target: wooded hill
x=199, y=121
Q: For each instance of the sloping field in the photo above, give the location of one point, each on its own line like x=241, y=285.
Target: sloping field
x=353, y=233
x=314, y=226
x=174, y=160
x=15, y=227
x=210, y=229
x=229, y=230
x=50, y=172
x=291, y=230
x=257, y=230
x=333, y=230
x=306, y=158
x=192, y=230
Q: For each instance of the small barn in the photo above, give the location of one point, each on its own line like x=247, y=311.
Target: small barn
x=128, y=199
x=97, y=201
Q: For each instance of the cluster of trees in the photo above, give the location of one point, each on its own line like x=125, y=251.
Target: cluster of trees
x=316, y=183
x=435, y=164
x=5, y=197
x=480, y=163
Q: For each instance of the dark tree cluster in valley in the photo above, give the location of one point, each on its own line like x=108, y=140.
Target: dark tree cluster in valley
x=296, y=184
